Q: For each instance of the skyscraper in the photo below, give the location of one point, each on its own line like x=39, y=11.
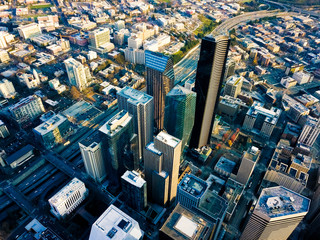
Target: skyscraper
x=118, y=143
x=162, y=161
x=160, y=80
x=209, y=77
x=179, y=113
x=92, y=155
x=276, y=214
x=134, y=187
x=310, y=132
x=78, y=74
x=140, y=106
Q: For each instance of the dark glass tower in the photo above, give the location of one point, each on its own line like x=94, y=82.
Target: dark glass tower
x=179, y=113
x=160, y=80
x=210, y=73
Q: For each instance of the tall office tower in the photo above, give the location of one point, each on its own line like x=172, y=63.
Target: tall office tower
x=119, y=144
x=78, y=74
x=190, y=191
x=233, y=86
x=134, y=187
x=140, y=106
x=99, y=37
x=179, y=113
x=7, y=89
x=160, y=80
x=92, y=155
x=162, y=161
x=248, y=162
x=277, y=213
x=27, y=109
x=29, y=30
x=115, y=224
x=310, y=132
x=210, y=71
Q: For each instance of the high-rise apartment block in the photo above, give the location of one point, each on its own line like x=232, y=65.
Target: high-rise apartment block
x=160, y=80
x=161, y=162
x=27, y=109
x=209, y=77
x=134, y=188
x=78, y=74
x=247, y=165
x=52, y=131
x=179, y=113
x=7, y=89
x=260, y=120
x=119, y=143
x=277, y=213
x=140, y=106
x=233, y=86
x=190, y=190
x=68, y=198
x=93, y=158
x=310, y=132
x=29, y=30
x=115, y=224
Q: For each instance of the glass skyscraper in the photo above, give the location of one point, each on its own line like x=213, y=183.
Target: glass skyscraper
x=160, y=80
x=210, y=73
x=179, y=113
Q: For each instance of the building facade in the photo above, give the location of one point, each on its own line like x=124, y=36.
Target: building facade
x=209, y=77
x=310, y=132
x=29, y=30
x=7, y=89
x=78, y=74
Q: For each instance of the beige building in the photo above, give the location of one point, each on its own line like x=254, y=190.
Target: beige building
x=277, y=213
x=248, y=162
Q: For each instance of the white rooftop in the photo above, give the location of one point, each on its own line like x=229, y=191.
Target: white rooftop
x=186, y=226
x=134, y=178
x=116, y=225
x=168, y=139
x=135, y=96
x=50, y=124
x=116, y=123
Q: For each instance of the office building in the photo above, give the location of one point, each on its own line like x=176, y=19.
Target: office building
x=310, y=132
x=92, y=155
x=64, y=44
x=68, y=198
x=184, y=224
x=4, y=132
x=29, y=30
x=294, y=109
x=7, y=89
x=230, y=68
x=190, y=190
x=161, y=163
x=115, y=224
x=209, y=77
x=5, y=39
x=52, y=131
x=229, y=106
x=261, y=121
x=4, y=56
x=100, y=40
x=179, y=113
x=247, y=165
x=27, y=109
x=160, y=80
x=119, y=143
x=134, y=188
x=78, y=74
x=233, y=86
x=277, y=213
x=140, y=106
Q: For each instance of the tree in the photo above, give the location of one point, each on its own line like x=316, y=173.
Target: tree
x=75, y=94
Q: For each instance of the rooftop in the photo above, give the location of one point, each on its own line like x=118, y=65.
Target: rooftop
x=153, y=149
x=50, y=124
x=225, y=164
x=179, y=90
x=18, y=154
x=185, y=224
x=168, y=139
x=134, y=178
x=22, y=102
x=116, y=225
x=135, y=96
x=66, y=192
x=193, y=185
x=213, y=205
x=156, y=61
x=279, y=201
x=116, y=123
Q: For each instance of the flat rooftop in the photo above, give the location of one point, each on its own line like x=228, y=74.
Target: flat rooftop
x=168, y=139
x=153, y=149
x=116, y=225
x=193, y=185
x=279, y=201
x=213, y=205
x=179, y=90
x=225, y=164
x=135, y=96
x=51, y=124
x=185, y=224
x=134, y=178
x=116, y=123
